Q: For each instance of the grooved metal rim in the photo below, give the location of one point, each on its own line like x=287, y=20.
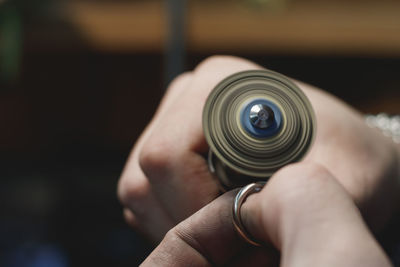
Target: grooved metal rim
x=248, y=154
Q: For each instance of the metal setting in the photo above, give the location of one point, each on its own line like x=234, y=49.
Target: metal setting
x=261, y=116
x=261, y=127
x=240, y=198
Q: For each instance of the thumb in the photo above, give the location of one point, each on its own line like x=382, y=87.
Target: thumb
x=208, y=238
x=307, y=215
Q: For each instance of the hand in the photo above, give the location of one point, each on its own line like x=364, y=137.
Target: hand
x=166, y=178
x=310, y=220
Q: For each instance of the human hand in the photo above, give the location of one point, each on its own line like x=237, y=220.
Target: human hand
x=310, y=220
x=166, y=178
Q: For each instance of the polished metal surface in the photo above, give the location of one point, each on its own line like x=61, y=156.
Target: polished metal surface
x=236, y=213
x=261, y=116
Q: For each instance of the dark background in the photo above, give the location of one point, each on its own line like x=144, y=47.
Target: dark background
x=70, y=114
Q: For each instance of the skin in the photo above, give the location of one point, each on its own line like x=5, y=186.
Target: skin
x=166, y=178
x=310, y=220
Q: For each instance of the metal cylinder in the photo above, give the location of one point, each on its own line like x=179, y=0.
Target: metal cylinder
x=256, y=122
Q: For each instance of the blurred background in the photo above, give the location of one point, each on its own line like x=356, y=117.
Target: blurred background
x=80, y=79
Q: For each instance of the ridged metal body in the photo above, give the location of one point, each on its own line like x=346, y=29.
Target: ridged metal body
x=242, y=151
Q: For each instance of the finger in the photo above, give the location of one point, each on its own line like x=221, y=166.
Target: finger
x=154, y=235
x=312, y=220
x=173, y=156
x=134, y=190
x=130, y=218
x=345, y=128
x=207, y=238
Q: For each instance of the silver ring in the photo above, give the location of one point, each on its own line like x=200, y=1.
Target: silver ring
x=237, y=204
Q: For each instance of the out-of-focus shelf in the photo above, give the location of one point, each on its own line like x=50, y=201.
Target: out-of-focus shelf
x=344, y=28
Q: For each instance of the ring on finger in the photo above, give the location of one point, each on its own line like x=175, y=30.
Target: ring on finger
x=240, y=198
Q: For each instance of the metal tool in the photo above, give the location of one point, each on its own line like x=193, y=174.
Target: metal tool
x=256, y=122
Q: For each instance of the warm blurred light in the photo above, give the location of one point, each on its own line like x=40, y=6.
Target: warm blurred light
x=252, y=26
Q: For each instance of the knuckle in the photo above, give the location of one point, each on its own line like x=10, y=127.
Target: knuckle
x=304, y=172
x=178, y=83
x=171, y=236
x=212, y=62
x=181, y=234
x=132, y=190
x=155, y=158
x=130, y=218
x=300, y=181
x=181, y=78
